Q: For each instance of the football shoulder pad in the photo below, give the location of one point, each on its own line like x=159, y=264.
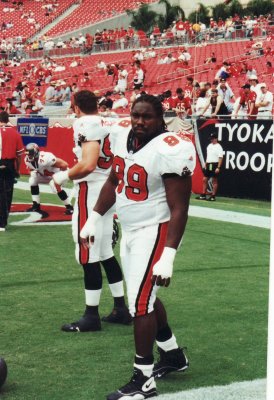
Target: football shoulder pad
x=89, y=128
x=46, y=158
x=176, y=154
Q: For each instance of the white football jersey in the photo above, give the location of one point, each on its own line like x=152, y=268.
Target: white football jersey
x=91, y=128
x=140, y=194
x=44, y=165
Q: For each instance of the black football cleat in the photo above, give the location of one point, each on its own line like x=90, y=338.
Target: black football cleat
x=139, y=387
x=35, y=207
x=119, y=315
x=89, y=323
x=69, y=210
x=170, y=361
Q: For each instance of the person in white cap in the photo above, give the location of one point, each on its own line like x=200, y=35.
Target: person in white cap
x=264, y=103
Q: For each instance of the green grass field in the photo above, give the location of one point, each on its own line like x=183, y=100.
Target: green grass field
x=217, y=306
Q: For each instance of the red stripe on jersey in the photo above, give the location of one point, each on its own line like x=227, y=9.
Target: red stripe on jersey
x=82, y=218
x=146, y=287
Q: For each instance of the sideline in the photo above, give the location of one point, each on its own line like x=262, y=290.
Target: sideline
x=194, y=211
x=247, y=390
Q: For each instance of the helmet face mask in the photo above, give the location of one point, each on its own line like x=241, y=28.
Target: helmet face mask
x=32, y=151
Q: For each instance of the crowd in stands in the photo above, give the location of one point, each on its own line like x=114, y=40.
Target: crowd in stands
x=213, y=98
x=180, y=32
x=29, y=87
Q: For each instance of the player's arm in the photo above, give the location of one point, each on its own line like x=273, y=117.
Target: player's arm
x=106, y=200
x=178, y=190
x=62, y=164
x=90, y=155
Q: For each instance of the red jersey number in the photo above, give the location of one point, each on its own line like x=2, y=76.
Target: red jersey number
x=136, y=188
x=105, y=162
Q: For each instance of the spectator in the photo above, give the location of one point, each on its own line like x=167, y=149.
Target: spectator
x=247, y=102
x=122, y=80
x=218, y=107
x=182, y=104
x=169, y=59
x=122, y=102
x=264, y=103
x=225, y=91
x=106, y=100
x=201, y=103
x=223, y=71
x=138, y=79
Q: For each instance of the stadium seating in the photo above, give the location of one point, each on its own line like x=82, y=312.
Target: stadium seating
x=90, y=12
x=20, y=25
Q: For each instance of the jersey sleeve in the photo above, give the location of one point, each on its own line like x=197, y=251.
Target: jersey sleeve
x=220, y=151
x=176, y=155
x=87, y=130
x=50, y=159
x=19, y=145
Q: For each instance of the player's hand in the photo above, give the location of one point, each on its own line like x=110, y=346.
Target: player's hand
x=92, y=230
x=162, y=270
x=61, y=177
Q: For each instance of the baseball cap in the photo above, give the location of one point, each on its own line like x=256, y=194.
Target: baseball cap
x=252, y=77
x=263, y=85
x=246, y=86
x=213, y=136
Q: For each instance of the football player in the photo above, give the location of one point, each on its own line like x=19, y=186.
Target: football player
x=42, y=165
x=89, y=175
x=150, y=182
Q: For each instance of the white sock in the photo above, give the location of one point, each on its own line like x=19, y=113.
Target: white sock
x=117, y=289
x=36, y=197
x=146, y=369
x=93, y=297
x=170, y=344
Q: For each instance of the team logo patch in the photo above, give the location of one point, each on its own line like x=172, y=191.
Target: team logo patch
x=50, y=214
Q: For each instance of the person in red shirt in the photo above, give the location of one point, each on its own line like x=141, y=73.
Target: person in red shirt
x=248, y=99
x=182, y=104
x=11, y=150
x=168, y=101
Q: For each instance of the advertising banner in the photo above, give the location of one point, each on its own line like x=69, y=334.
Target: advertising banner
x=33, y=130
x=248, y=155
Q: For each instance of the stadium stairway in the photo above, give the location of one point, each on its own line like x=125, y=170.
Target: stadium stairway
x=69, y=11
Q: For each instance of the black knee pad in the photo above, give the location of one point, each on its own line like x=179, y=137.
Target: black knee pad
x=93, y=276
x=113, y=270
x=34, y=190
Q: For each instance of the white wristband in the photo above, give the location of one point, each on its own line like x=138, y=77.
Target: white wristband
x=169, y=254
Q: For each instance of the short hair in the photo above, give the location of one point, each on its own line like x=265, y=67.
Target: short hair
x=4, y=117
x=86, y=101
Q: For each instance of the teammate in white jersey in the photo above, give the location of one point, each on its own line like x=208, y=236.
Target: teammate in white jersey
x=89, y=174
x=150, y=182
x=42, y=165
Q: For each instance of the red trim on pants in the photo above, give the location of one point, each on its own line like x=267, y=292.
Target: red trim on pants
x=146, y=286
x=82, y=218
